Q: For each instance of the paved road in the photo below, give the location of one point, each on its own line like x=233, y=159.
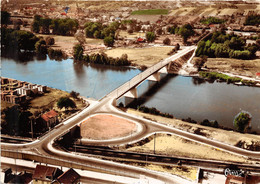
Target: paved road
x=44, y=144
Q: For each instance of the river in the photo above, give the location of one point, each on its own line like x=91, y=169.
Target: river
x=178, y=95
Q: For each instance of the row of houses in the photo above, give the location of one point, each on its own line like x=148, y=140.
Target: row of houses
x=43, y=174
x=15, y=92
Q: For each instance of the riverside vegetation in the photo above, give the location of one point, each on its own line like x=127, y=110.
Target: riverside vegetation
x=99, y=58
x=222, y=77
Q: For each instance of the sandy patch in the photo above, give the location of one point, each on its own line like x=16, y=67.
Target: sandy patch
x=141, y=56
x=101, y=127
x=125, y=34
x=229, y=137
x=176, y=146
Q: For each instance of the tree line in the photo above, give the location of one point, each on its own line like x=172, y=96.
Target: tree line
x=65, y=27
x=18, y=41
x=99, y=58
x=253, y=20
x=184, y=31
x=226, y=46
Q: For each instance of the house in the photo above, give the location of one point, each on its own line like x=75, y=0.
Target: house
x=231, y=179
x=70, y=176
x=258, y=75
x=4, y=81
x=48, y=119
x=45, y=174
x=140, y=40
x=22, y=177
x=24, y=91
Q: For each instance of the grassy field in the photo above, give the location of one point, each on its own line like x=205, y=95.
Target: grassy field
x=49, y=100
x=172, y=145
x=141, y=56
x=235, y=66
x=150, y=12
x=125, y=34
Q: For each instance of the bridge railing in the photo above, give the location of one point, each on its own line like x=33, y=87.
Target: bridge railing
x=118, y=92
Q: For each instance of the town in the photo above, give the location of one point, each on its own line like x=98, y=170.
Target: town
x=130, y=91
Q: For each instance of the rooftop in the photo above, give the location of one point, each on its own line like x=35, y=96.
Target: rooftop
x=70, y=176
x=48, y=115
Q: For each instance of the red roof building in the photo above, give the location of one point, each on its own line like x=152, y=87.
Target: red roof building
x=140, y=39
x=70, y=176
x=47, y=120
x=48, y=116
x=45, y=174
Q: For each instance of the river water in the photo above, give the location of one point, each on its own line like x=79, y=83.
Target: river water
x=181, y=96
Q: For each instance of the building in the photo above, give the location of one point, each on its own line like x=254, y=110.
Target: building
x=70, y=176
x=22, y=177
x=45, y=174
x=47, y=120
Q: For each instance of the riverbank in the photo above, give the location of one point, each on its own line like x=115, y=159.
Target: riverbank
x=34, y=103
x=228, y=137
x=245, y=69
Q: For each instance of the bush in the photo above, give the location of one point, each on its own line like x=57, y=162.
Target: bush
x=56, y=54
x=242, y=121
x=74, y=94
x=49, y=40
x=167, y=41
x=109, y=41
x=150, y=36
x=66, y=102
x=78, y=52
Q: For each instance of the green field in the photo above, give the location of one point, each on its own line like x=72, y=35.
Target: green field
x=150, y=12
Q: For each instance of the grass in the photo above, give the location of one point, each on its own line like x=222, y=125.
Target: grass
x=150, y=12
x=141, y=56
x=223, y=77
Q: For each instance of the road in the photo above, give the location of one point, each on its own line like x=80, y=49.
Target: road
x=44, y=145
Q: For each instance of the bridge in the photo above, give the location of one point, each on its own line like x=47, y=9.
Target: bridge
x=43, y=149
x=152, y=73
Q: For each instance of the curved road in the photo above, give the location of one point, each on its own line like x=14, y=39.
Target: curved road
x=45, y=144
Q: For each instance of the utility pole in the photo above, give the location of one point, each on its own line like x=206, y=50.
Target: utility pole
x=32, y=128
x=154, y=136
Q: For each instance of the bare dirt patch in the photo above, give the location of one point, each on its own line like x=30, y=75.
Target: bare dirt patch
x=141, y=56
x=176, y=146
x=229, y=137
x=102, y=127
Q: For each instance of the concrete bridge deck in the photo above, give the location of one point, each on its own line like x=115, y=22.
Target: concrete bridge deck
x=138, y=79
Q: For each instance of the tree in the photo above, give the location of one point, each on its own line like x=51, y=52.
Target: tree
x=49, y=40
x=177, y=47
x=150, y=36
x=41, y=47
x=5, y=18
x=109, y=41
x=242, y=121
x=66, y=102
x=78, y=52
x=167, y=41
x=159, y=31
x=186, y=31
x=16, y=121
x=74, y=94
x=45, y=24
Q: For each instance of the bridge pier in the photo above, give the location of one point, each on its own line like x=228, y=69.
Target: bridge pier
x=155, y=77
x=132, y=93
